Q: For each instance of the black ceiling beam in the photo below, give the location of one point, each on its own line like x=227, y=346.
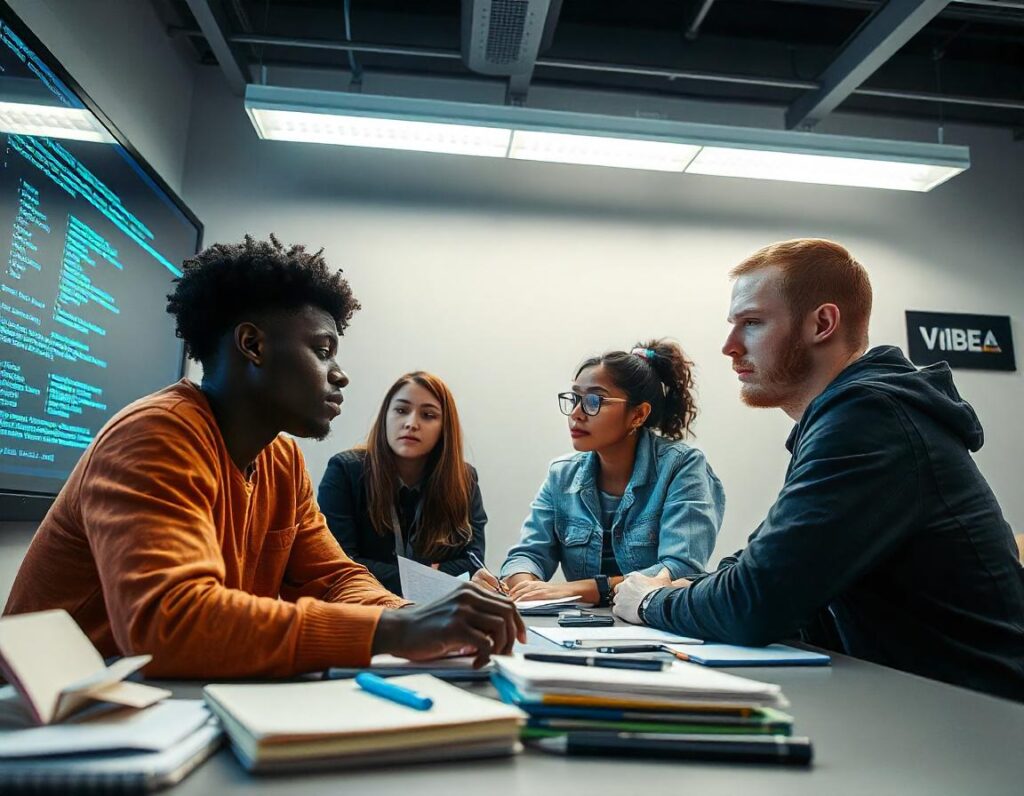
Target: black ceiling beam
x=698, y=19
x=877, y=40
x=212, y=21
x=1009, y=15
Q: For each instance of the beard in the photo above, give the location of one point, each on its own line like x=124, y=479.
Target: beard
x=782, y=379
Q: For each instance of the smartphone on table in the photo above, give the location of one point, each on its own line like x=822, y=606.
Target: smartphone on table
x=586, y=620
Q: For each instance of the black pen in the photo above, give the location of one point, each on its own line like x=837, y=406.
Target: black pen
x=639, y=664
x=779, y=749
x=474, y=559
x=633, y=648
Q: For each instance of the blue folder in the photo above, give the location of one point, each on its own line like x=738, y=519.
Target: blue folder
x=772, y=655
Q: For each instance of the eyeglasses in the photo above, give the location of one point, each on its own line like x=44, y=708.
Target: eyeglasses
x=591, y=402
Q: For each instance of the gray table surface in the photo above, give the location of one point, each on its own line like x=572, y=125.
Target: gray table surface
x=875, y=731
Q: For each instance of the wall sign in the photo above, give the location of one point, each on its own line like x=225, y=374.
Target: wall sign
x=979, y=342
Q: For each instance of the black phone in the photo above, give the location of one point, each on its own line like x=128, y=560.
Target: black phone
x=588, y=620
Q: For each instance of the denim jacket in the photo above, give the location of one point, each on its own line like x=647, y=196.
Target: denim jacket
x=669, y=516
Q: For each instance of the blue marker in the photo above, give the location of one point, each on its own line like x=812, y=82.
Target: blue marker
x=378, y=686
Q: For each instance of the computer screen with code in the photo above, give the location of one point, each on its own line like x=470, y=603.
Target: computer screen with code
x=89, y=243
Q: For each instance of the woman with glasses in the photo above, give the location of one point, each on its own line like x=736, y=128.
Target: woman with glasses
x=634, y=497
x=407, y=491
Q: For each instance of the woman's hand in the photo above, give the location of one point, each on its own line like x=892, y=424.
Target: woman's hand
x=541, y=590
x=485, y=580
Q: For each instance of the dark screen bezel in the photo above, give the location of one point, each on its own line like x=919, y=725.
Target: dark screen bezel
x=29, y=505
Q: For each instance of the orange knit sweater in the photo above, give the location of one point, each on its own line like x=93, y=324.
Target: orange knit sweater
x=158, y=544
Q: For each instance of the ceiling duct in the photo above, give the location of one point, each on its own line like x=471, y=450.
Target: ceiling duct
x=503, y=37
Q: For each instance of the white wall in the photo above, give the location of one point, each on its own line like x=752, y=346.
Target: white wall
x=119, y=53
x=500, y=276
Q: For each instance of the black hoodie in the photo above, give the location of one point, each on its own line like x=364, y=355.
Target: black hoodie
x=886, y=529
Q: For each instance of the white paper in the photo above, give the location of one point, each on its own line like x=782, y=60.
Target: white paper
x=681, y=680
x=153, y=729
x=621, y=634
x=538, y=603
x=423, y=584
x=454, y=662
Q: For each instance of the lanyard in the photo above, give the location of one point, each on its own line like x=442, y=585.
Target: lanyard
x=404, y=547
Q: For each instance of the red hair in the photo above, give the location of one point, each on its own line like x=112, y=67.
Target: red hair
x=815, y=272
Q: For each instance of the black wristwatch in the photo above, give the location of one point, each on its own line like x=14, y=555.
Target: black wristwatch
x=604, y=590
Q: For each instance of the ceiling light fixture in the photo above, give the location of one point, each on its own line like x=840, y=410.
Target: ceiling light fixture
x=519, y=133
x=52, y=121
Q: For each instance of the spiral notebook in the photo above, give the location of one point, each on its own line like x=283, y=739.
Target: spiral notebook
x=107, y=768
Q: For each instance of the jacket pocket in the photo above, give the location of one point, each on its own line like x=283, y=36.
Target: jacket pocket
x=274, y=555
x=280, y=540
x=573, y=532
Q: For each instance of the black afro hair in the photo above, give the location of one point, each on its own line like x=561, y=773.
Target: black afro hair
x=227, y=282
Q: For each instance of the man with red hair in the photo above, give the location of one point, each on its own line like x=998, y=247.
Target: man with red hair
x=886, y=541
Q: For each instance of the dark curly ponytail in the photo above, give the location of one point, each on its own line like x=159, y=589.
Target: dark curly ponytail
x=659, y=373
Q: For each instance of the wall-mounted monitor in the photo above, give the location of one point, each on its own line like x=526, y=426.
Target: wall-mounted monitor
x=90, y=239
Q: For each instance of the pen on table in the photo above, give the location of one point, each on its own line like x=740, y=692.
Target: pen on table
x=386, y=689
x=475, y=560
x=677, y=653
x=779, y=749
x=633, y=648
x=639, y=664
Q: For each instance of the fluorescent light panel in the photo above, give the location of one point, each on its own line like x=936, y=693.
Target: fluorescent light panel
x=819, y=169
x=52, y=121
x=619, y=142
x=593, y=150
x=368, y=131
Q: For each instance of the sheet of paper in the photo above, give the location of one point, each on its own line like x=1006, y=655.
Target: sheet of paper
x=681, y=679
x=394, y=662
x=620, y=634
x=521, y=604
x=423, y=584
x=732, y=655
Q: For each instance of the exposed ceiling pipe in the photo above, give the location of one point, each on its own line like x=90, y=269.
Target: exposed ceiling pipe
x=698, y=19
x=958, y=9
x=624, y=69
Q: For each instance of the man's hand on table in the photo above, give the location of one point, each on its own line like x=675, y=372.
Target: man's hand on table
x=470, y=620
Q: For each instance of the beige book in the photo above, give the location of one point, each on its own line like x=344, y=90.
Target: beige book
x=56, y=671
x=337, y=719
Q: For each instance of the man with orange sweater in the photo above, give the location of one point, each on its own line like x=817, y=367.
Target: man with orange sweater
x=189, y=531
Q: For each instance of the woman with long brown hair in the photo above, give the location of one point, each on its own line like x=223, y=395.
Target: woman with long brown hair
x=408, y=491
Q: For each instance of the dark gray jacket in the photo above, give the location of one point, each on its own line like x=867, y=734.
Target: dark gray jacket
x=885, y=522
x=344, y=502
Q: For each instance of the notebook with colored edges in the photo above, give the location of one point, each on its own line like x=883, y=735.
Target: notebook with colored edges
x=682, y=684
x=546, y=720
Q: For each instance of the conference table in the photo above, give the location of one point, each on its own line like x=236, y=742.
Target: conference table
x=875, y=731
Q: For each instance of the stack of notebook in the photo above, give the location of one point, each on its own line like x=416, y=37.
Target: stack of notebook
x=684, y=699
x=334, y=723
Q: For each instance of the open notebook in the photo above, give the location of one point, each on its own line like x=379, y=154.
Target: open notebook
x=57, y=672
